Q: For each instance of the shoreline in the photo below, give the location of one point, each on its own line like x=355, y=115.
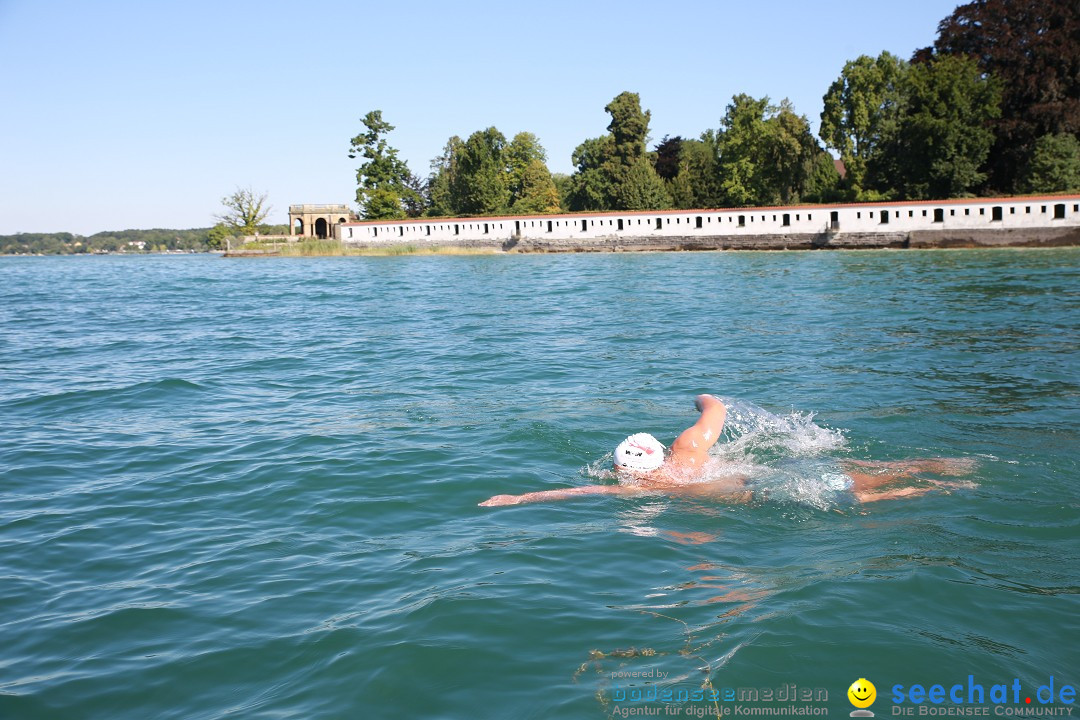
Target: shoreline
x=913, y=240
x=1020, y=221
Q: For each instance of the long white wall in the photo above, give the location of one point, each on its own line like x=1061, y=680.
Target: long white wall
x=974, y=214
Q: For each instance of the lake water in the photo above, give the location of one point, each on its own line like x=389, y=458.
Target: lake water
x=249, y=487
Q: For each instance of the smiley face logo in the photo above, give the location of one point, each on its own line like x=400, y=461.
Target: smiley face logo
x=862, y=693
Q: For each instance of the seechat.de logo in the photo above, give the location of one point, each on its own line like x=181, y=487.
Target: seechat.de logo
x=862, y=694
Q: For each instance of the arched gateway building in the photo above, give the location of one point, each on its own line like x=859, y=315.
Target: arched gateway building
x=318, y=221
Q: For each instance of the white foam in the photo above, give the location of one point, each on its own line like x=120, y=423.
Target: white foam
x=754, y=431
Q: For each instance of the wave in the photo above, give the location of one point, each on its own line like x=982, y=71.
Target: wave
x=165, y=390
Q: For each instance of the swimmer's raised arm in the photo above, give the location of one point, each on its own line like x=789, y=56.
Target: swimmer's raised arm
x=692, y=446
x=561, y=494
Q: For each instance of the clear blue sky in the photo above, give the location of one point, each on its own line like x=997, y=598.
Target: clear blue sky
x=139, y=114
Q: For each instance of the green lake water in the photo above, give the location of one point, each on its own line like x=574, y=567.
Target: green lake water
x=248, y=488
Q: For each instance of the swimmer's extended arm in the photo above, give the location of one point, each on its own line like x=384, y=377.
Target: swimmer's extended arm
x=692, y=446
x=562, y=494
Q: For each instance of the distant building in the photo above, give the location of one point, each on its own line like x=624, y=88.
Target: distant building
x=318, y=221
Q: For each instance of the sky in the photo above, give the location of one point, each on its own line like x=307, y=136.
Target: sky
x=122, y=114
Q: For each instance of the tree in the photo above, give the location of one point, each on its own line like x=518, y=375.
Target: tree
x=383, y=203
x=218, y=237
x=1054, y=165
x=740, y=145
x=382, y=190
x=443, y=171
x=764, y=153
x=862, y=109
x=668, y=157
x=695, y=184
x=634, y=183
x=943, y=138
x=537, y=192
x=788, y=154
x=823, y=180
x=614, y=171
x=562, y=186
x=528, y=179
x=485, y=175
x=244, y=211
x=591, y=187
x=629, y=126
x=417, y=198
x=519, y=154
x=1032, y=47
x=640, y=188
x=479, y=186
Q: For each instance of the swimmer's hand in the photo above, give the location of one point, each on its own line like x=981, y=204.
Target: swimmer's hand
x=497, y=500
x=703, y=401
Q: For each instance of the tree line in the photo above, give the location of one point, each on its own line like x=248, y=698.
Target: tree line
x=244, y=212
x=993, y=107
x=133, y=241
x=120, y=241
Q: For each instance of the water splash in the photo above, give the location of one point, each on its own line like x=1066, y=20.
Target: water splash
x=784, y=458
x=753, y=432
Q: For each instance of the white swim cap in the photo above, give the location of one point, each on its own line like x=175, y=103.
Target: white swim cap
x=641, y=452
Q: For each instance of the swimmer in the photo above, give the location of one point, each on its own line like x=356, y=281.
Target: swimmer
x=642, y=467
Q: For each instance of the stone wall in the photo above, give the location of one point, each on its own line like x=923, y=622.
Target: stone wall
x=1025, y=221
x=1028, y=237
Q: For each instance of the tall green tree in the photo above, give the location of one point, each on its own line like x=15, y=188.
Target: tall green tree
x=629, y=126
x=640, y=188
x=1032, y=47
x=823, y=182
x=615, y=171
x=862, y=111
x=536, y=192
x=382, y=190
x=764, y=153
x=528, y=179
x=591, y=186
x=696, y=181
x=519, y=153
x=443, y=171
x=741, y=143
x=788, y=154
x=633, y=179
x=944, y=135
x=486, y=175
x=479, y=187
